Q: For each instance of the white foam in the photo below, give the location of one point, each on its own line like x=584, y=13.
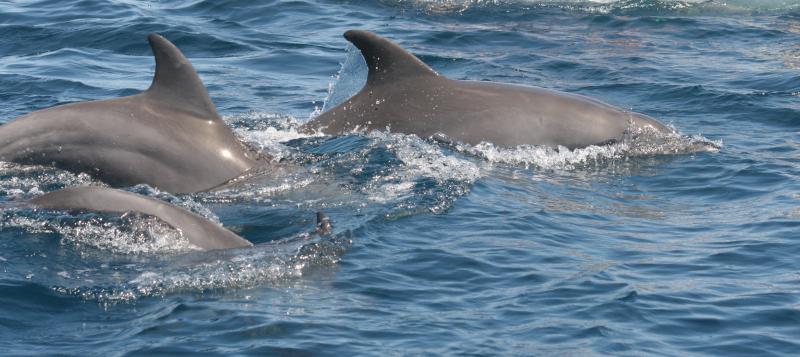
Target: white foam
x=27, y=181
x=268, y=131
x=640, y=143
x=129, y=234
x=424, y=159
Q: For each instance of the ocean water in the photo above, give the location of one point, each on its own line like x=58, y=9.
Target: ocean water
x=437, y=250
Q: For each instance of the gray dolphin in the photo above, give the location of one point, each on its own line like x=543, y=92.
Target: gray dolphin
x=404, y=95
x=199, y=231
x=169, y=136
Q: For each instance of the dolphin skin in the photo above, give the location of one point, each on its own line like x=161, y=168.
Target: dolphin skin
x=201, y=232
x=403, y=94
x=169, y=136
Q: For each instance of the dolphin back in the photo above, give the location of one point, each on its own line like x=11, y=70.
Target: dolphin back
x=169, y=136
x=404, y=95
x=199, y=231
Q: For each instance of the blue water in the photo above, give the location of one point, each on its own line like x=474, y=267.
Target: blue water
x=436, y=250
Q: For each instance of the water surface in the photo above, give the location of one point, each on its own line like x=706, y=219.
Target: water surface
x=436, y=250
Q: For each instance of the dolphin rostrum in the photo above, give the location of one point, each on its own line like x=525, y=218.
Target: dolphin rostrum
x=169, y=136
x=200, y=232
x=403, y=94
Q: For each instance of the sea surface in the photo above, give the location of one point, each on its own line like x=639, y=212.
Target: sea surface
x=632, y=249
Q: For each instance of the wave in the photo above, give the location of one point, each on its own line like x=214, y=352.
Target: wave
x=619, y=7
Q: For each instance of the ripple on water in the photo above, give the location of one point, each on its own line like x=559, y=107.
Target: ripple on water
x=482, y=250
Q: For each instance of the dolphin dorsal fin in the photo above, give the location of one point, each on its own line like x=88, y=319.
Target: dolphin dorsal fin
x=386, y=60
x=176, y=83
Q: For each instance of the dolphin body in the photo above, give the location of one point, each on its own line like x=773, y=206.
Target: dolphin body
x=403, y=94
x=201, y=232
x=169, y=136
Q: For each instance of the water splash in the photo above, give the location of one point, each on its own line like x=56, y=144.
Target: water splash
x=20, y=182
x=267, y=132
x=634, y=144
x=424, y=159
x=350, y=79
x=127, y=234
x=427, y=180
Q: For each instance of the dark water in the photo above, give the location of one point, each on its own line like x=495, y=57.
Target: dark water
x=437, y=250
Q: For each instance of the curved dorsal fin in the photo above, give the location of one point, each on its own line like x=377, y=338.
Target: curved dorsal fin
x=386, y=60
x=176, y=83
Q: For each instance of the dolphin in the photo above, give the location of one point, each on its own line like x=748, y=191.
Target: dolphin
x=170, y=136
x=403, y=94
x=200, y=231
